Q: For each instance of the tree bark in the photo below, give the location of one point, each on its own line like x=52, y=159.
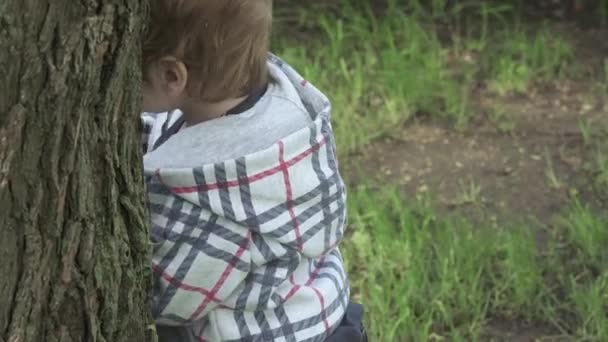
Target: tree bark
x=74, y=251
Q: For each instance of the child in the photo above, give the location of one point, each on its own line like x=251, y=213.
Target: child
x=246, y=203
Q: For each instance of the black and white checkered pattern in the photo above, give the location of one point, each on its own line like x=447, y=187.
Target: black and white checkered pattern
x=246, y=249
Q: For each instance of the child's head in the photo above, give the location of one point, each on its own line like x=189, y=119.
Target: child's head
x=207, y=50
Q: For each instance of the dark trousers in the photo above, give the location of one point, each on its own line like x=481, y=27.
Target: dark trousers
x=351, y=329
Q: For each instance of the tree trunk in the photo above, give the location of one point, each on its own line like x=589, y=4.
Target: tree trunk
x=74, y=251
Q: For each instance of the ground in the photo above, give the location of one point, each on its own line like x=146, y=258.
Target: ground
x=491, y=176
x=528, y=167
x=508, y=331
x=498, y=173
x=475, y=220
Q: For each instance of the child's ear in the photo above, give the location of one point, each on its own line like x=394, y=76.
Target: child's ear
x=174, y=75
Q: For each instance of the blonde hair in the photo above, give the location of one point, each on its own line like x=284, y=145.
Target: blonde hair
x=223, y=43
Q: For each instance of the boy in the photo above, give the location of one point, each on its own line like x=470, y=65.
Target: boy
x=246, y=202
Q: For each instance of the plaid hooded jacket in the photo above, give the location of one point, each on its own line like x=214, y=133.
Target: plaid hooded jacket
x=246, y=249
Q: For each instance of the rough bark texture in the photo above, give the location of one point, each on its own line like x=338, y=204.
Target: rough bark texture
x=74, y=252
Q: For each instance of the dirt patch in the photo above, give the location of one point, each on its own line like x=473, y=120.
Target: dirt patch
x=530, y=172
x=529, y=169
x=470, y=171
x=499, y=330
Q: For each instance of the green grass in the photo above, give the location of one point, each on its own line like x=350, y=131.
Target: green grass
x=601, y=178
x=380, y=71
x=594, y=135
x=399, y=68
x=424, y=278
x=522, y=58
